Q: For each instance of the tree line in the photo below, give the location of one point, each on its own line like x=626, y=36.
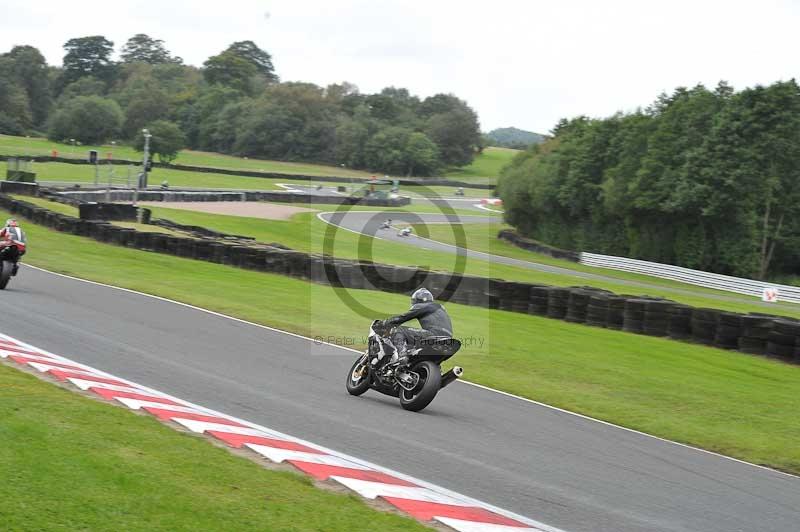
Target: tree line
x=706, y=179
x=235, y=103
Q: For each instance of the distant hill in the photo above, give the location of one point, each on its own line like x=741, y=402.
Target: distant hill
x=511, y=137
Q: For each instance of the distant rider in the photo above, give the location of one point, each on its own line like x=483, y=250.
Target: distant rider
x=433, y=319
x=12, y=232
x=387, y=224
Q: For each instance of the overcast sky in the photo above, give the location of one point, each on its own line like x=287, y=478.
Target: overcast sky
x=516, y=62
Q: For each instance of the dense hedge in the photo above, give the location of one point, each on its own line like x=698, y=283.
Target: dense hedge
x=752, y=333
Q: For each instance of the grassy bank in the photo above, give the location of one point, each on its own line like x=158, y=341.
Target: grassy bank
x=39, y=146
x=72, y=463
x=484, y=169
x=487, y=165
x=737, y=404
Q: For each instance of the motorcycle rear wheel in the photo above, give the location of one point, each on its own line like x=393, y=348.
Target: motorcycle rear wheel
x=430, y=381
x=358, y=377
x=5, y=273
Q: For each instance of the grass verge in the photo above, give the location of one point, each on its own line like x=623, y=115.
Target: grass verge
x=729, y=402
x=73, y=463
x=10, y=145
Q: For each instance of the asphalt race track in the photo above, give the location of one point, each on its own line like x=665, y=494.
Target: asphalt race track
x=367, y=222
x=561, y=469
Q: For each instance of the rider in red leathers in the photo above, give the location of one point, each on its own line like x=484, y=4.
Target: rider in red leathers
x=12, y=234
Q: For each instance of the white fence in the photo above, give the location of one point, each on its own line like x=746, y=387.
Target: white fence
x=676, y=273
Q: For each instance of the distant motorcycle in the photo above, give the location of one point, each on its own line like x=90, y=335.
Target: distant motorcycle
x=12, y=247
x=414, y=378
x=404, y=232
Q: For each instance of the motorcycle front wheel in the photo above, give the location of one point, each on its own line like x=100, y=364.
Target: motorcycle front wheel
x=430, y=380
x=5, y=273
x=358, y=377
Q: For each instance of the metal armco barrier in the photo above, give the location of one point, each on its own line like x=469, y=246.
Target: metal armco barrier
x=718, y=281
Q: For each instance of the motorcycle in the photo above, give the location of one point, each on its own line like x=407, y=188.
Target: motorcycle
x=12, y=247
x=415, y=378
x=404, y=232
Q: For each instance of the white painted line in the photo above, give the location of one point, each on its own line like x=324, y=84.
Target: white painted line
x=138, y=404
x=4, y=354
x=462, y=381
x=201, y=427
x=473, y=526
x=44, y=368
x=485, y=208
x=85, y=384
x=372, y=490
x=280, y=455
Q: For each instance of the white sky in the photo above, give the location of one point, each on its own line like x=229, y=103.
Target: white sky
x=516, y=62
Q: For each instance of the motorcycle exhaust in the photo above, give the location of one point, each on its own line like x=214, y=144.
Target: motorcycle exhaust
x=451, y=375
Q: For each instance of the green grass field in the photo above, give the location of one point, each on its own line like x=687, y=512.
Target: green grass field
x=73, y=463
x=38, y=146
x=487, y=165
x=737, y=404
x=484, y=169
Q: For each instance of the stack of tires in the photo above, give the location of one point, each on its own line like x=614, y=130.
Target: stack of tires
x=633, y=316
x=729, y=329
x=680, y=322
x=557, y=302
x=576, y=305
x=537, y=303
x=704, y=325
x=520, y=298
x=656, y=317
x=616, y=312
x=597, y=310
x=782, y=339
x=755, y=333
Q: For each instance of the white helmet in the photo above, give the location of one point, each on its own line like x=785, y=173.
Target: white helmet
x=421, y=295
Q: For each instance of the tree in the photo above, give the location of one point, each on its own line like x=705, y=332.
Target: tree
x=166, y=141
x=30, y=70
x=88, y=119
x=87, y=86
x=15, y=115
x=229, y=70
x=421, y=155
x=260, y=59
x=142, y=48
x=456, y=133
x=145, y=107
x=88, y=56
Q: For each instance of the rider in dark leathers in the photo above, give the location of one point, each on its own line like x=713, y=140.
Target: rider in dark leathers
x=431, y=315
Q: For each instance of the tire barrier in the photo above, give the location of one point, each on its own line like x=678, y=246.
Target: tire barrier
x=757, y=334
x=576, y=306
x=113, y=211
x=18, y=187
x=557, y=302
x=96, y=196
x=680, y=322
x=537, y=247
x=597, y=310
x=782, y=339
x=704, y=325
x=633, y=316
